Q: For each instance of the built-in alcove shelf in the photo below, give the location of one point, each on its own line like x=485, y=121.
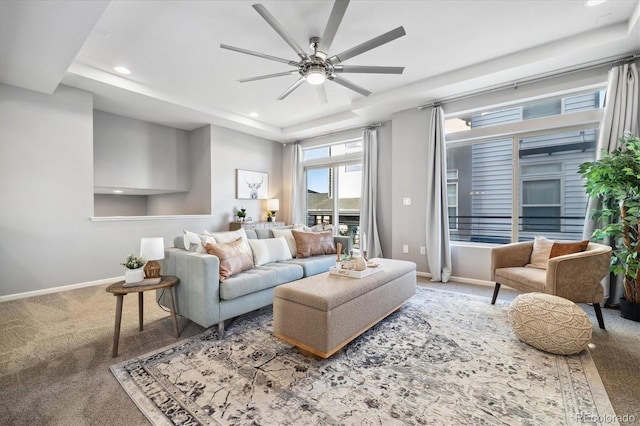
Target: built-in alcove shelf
x=147, y=170
x=131, y=218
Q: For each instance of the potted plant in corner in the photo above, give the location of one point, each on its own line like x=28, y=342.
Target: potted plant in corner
x=615, y=180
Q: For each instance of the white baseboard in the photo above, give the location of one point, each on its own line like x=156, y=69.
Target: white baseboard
x=461, y=280
x=58, y=289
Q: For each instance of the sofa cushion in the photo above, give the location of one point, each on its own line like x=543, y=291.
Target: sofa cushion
x=561, y=248
x=233, y=256
x=269, y=250
x=313, y=243
x=259, y=278
x=314, y=265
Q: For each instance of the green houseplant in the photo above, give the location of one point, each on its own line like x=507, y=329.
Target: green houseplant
x=615, y=180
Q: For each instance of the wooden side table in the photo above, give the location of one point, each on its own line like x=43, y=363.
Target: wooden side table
x=118, y=290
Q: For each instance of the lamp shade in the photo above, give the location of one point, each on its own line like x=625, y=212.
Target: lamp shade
x=273, y=204
x=152, y=248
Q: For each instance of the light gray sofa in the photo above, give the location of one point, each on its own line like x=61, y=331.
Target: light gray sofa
x=203, y=299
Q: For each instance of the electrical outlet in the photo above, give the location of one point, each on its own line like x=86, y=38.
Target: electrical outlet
x=405, y=248
x=423, y=250
x=406, y=201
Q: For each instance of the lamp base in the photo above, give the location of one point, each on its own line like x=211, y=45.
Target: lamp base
x=152, y=269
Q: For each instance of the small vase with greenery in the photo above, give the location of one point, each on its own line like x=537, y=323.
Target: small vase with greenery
x=133, y=262
x=615, y=180
x=134, y=272
x=242, y=213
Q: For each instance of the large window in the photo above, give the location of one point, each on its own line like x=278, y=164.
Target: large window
x=334, y=178
x=519, y=185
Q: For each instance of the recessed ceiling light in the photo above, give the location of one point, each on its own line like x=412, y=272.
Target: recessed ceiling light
x=592, y=3
x=122, y=70
x=118, y=191
x=254, y=114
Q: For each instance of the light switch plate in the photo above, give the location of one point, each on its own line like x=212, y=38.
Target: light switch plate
x=406, y=201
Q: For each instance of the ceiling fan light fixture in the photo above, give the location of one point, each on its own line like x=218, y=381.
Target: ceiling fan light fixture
x=315, y=77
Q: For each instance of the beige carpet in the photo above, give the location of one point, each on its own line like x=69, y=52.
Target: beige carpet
x=55, y=354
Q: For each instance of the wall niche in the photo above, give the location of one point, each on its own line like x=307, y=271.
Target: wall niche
x=147, y=169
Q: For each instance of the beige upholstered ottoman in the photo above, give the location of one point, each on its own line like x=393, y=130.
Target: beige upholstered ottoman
x=550, y=323
x=322, y=313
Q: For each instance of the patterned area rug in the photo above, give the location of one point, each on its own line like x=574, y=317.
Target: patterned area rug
x=444, y=359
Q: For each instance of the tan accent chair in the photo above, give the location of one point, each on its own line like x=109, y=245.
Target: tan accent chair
x=575, y=277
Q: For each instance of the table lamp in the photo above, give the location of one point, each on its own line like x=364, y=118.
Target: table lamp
x=152, y=249
x=273, y=205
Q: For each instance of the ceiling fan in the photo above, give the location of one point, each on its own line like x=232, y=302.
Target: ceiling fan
x=318, y=67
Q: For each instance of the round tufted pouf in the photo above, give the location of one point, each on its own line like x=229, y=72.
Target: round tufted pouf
x=550, y=323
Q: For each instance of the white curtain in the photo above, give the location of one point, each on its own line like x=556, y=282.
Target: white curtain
x=368, y=205
x=297, y=205
x=437, y=214
x=621, y=115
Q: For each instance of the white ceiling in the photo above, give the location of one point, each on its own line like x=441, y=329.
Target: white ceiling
x=182, y=78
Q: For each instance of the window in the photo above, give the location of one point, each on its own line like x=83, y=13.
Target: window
x=452, y=198
x=517, y=186
x=334, y=178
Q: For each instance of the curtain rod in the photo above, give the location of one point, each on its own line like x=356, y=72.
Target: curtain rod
x=542, y=77
x=368, y=127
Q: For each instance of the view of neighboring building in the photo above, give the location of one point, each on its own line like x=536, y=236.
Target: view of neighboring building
x=513, y=187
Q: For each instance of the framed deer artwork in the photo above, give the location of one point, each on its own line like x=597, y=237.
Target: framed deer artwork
x=252, y=185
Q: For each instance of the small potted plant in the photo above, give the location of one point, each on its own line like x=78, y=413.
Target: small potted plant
x=134, y=272
x=270, y=216
x=615, y=179
x=242, y=213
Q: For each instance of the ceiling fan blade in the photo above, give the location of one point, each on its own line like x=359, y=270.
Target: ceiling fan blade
x=293, y=87
x=280, y=30
x=262, y=77
x=259, y=55
x=322, y=94
x=337, y=13
x=366, y=69
x=368, y=45
x=349, y=85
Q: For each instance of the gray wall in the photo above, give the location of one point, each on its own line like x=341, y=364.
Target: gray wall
x=231, y=150
x=385, y=188
x=47, y=239
x=408, y=177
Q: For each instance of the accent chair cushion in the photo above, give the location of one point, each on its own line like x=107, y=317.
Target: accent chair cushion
x=234, y=257
x=540, y=253
x=313, y=243
x=561, y=248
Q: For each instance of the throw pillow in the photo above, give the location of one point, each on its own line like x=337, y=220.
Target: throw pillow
x=288, y=237
x=233, y=257
x=269, y=250
x=230, y=236
x=313, y=243
x=194, y=242
x=540, y=253
x=560, y=248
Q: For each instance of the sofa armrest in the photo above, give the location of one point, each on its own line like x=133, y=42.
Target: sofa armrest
x=577, y=276
x=197, y=297
x=510, y=255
